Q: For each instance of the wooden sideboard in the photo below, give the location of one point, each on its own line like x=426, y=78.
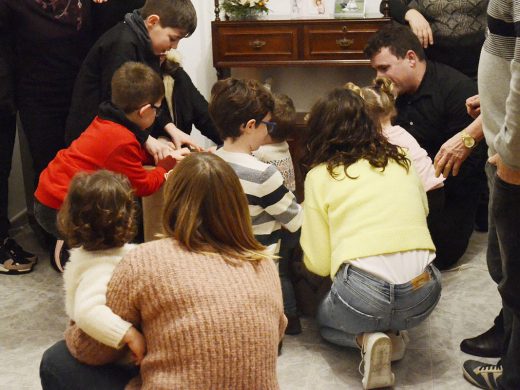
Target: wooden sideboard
x=292, y=42
x=302, y=42
x=295, y=42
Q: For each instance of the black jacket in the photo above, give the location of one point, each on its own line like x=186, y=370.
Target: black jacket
x=190, y=109
x=126, y=41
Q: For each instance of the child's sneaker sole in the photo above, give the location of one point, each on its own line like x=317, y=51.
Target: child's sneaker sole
x=10, y=267
x=378, y=370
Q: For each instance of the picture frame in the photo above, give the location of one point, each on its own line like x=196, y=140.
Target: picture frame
x=316, y=9
x=345, y=9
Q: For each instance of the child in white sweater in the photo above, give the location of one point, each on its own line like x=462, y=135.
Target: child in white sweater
x=97, y=220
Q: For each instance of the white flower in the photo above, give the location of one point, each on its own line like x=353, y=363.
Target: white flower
x=244, y=2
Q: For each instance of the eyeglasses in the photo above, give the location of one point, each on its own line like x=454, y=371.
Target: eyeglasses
x=270, y=126
x=158, y=109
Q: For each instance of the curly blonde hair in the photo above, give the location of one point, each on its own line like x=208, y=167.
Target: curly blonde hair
x=379, y=98
x=99, y=211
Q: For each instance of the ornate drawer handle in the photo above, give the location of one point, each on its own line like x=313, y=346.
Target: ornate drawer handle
x=257, y=44
x=344, y=43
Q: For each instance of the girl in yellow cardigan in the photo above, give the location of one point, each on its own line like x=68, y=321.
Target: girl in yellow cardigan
x=365, y=226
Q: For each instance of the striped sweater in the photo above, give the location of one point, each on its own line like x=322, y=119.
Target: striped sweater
x=499, y=81
x=271, y=204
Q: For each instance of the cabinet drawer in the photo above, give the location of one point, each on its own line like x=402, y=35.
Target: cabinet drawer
x=338, y=41
x=256, y=43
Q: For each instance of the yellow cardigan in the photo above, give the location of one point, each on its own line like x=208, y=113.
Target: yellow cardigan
x=379, y=212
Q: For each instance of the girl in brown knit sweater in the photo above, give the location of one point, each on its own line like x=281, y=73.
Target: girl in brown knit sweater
x=207, y=298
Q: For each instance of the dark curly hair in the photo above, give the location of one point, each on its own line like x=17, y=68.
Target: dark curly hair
x=99, y=211
x=341, y=132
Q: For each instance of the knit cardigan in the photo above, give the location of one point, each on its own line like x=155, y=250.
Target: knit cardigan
x=210, y=322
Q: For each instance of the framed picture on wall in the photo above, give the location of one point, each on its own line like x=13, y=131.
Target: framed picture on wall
x=317, y=8
x=349, y=9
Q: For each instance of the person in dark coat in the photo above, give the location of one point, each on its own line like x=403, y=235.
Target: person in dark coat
x=144, y=36
x=51, y=40
x=14, y=259
x=106, y=14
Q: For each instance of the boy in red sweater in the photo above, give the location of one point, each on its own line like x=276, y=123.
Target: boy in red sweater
x=113, y=141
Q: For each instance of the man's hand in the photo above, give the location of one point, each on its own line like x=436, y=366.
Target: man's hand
x=473, y=106
x=509, y=175
x=180, y=138
x=158, y=149
x=420, y=27
x=450, y=156
x=137, y=344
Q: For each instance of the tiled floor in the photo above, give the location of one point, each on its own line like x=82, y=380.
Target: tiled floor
x=32, y=318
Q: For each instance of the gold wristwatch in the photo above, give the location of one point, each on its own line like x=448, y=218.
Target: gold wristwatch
x=468, y=141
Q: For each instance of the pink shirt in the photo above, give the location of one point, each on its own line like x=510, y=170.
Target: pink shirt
x=422, y=163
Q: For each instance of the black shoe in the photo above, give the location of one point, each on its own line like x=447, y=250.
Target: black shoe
x=59, y=256
x=481, y=374
x=488, y=344
x=294, y=326
x=11, y=265
x=18, y=252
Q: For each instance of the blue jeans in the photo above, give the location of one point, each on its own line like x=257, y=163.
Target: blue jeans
x=359, y=302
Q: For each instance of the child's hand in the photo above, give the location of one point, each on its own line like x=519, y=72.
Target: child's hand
x=179, y=154
x=180, y=138
x=166, y=141
x=137, y=344
x=157, y=149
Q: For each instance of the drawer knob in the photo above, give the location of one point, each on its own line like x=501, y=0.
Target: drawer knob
x=257, y=44
x=344, y=43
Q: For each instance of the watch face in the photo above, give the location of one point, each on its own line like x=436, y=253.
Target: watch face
x=469, y=142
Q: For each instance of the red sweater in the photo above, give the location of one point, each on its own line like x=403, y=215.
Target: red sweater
x=103, y=145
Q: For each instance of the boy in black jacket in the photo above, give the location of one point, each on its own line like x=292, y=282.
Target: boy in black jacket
x=144, y=36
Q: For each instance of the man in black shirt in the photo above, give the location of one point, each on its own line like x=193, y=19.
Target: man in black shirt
x=431, y=105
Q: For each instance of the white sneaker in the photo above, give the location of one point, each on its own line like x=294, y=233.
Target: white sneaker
x=399, y=341
x=376, y=352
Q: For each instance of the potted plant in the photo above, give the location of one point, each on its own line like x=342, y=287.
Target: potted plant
x=244, y=9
